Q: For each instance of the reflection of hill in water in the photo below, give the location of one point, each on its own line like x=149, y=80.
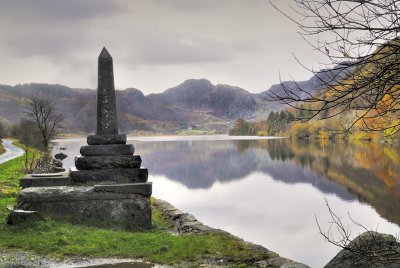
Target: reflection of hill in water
x=199, y=164
x=196, y=164
x=367, y=171
x=363, y=171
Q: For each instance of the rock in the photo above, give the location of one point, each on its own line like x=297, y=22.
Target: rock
x=120, y=175
x=108, y=162
x=85, y=205
x=273, y=262
x=57, y=162
x=135, y=188
x=370, y=249
x=18, y=216
x=106, y=139
x=71, y=193
x=183, y=222
x=58, y=169
x=60, y=156
x=293, y=264
x=43, y=181
x=110, y=149
x=44, y=167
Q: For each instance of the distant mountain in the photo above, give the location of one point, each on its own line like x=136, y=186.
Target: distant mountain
x=319, y=81
x=194, y=104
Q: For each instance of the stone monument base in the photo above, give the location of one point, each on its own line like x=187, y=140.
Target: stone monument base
x=43, y=180
x=125, y=206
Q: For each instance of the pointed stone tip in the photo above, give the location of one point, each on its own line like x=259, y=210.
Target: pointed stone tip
x=104, y=54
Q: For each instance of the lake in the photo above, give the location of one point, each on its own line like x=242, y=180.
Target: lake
x=271, y=191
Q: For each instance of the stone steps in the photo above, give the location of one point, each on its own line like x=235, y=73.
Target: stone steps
x=104, y=176
x=18, y=216
x=43, y=180
x=107, y=150
x=107, y=162
x=125, y=206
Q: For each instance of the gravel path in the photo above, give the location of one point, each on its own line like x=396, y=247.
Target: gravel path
x=12, y=151
x=10, y=258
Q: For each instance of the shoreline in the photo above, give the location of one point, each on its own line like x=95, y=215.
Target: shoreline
x=181, y=224
x=185, y=223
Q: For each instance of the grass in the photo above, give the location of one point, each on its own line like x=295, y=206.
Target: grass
x=60, y=239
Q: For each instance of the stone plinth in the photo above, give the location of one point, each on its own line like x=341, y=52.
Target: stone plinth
x=106, y=139
x=19, y=216
x=109, y=176
x=107, y=150
x=108, y=162
x=123, y=206
x=29, y=180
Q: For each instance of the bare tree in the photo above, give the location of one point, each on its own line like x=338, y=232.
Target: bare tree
x=366, y=247
x=42, y=111
x=360, y=41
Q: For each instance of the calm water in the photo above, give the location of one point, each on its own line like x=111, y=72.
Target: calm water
x=269, y=191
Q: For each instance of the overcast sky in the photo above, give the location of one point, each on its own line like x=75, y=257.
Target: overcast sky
x=155, y=44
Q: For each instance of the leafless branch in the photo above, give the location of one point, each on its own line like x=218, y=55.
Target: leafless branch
x=42, y=111
x=360, y=40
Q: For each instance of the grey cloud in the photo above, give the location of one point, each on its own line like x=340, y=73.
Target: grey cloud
x=183, y=50
x=207, y=5
x=52, y=10
x=237, y=42
x=40, y=42
x=187, y=5
x=50, y=28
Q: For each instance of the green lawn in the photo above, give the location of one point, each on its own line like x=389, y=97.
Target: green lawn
x=58, y=239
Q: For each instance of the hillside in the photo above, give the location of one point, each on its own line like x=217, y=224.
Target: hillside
x=194, y=104
x=359, y=100
x=317, y=83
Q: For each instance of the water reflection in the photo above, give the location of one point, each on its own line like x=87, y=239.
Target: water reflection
x=367, y=172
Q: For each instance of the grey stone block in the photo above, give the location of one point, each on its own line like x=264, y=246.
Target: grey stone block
x=85, y=205
x=106, y=139
x=110, y=149
x=67, y=194
x=107, y=162
x=43, y=181
x=120, y=175
x=131, y=188
x=18, y=216
x=58, y=169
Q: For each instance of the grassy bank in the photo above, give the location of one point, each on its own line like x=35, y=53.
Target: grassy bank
x=59, y=239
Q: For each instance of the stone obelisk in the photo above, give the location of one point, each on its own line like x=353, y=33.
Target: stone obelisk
x=109, y=187
x=106, y=120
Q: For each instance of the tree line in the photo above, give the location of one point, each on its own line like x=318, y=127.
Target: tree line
x=275, y=124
